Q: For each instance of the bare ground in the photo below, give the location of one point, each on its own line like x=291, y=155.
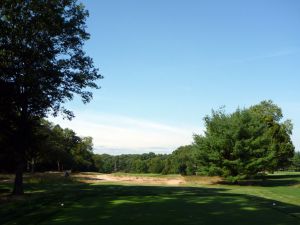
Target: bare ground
x=143, y=180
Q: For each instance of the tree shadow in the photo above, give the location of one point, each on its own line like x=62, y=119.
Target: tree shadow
x=90, y=179
x=4, y=190
x=265, y=182
x=282, y=176
x=79, y=204
x=269, y=181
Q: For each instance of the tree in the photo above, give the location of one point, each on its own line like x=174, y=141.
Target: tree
x=82, y=154
x=156, y=165
x=42, y=65
x=183, y=161
x=244, y=143
x=56, y=148
x=279, y=134
x=140, y=166
x=39, y=143
x=296, y=162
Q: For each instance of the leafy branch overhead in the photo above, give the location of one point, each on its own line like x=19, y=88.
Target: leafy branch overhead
x=42, y=54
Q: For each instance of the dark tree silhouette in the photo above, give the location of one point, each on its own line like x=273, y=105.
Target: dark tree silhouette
x=42, y=65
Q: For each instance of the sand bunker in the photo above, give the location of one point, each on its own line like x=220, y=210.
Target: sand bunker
x=144, y=180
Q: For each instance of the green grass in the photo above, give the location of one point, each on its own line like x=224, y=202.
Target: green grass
x=250, y=203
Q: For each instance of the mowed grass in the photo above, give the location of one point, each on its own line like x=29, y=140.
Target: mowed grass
x=52, y=199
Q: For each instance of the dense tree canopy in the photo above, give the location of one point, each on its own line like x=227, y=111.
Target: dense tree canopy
x=42, y=65
x=181, y=161
x=296, y=162
x=56, y=149
x=245, y=143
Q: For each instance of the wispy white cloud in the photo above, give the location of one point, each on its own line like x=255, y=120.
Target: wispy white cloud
x=117, y=134
x=119, y=151
x=279, y=53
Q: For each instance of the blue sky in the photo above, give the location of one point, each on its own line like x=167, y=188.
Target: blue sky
x=168, y=63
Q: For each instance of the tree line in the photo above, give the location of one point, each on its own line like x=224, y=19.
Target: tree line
x=51, y=148
x=246, y=143
x=181, y=161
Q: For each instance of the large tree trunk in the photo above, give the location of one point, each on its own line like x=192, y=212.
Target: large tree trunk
x=20, y=166
x=18, y=185
x=22, y=136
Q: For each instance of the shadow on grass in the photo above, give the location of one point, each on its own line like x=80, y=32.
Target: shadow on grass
x=269, y=181
x=78, y=204
x=4, y=190
x=283, y=176
x=90, y=179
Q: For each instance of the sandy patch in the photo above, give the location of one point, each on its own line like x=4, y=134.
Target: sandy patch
x=140, y=180
x=95, y=178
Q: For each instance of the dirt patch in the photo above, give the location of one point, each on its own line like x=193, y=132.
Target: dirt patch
x=140, y=180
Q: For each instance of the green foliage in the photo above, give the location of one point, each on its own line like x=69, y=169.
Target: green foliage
x=140, y=166
x=296, y=162
x=133, y=163
x=181, y=161
x=55, y=148
x=64, y=149
x=155, y=165
x=104, y=163
x=42, y=55
x=244, y=143
x=42, y=66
